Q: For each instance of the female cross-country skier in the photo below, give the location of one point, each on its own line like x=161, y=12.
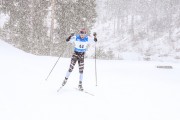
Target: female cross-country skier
x=81, y=41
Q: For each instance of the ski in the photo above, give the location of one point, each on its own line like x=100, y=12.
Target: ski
x=85, y=92
x=78, y=90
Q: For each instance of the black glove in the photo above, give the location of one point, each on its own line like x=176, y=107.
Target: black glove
x=95, y=34
x=72, y=34
x=95, y=39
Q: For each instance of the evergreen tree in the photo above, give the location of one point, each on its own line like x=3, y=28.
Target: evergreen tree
x=40, y=41
x=28, y=26
x=25, y=28
x=71, y=16
x=110, y=54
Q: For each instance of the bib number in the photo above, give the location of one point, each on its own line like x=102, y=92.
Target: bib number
x=81, y=46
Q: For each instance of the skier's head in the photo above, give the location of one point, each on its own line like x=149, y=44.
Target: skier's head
x=82, y=33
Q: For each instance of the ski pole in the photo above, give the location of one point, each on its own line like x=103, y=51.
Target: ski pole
x=95, y=39
x=95, y=66
x=54, y=65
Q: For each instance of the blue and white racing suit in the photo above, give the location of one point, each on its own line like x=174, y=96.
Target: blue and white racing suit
x=78, y=55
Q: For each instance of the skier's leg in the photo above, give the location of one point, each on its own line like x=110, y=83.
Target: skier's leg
x=81, y=68
x=72, y=64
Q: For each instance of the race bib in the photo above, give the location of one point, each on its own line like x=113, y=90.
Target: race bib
x=80, y=45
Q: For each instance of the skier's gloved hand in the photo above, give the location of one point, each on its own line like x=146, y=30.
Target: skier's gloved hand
x=95, y=39
x=68, y=39
x=95, y=34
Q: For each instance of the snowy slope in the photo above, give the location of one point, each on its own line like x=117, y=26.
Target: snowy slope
x=127, y=90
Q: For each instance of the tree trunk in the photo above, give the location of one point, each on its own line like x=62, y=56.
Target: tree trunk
x=132, y=27
x=52, y=26
x=114, y=26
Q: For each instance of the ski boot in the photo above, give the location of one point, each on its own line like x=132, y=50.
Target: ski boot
x=64, y=82
x=80, y=86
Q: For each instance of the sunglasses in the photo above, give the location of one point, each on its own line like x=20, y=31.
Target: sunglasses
x=82, y=32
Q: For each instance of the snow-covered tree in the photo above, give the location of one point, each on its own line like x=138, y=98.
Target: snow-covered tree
x=28, y=27
x=71, y=16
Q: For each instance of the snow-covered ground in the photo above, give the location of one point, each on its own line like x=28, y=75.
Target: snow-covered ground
x=127, y=90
